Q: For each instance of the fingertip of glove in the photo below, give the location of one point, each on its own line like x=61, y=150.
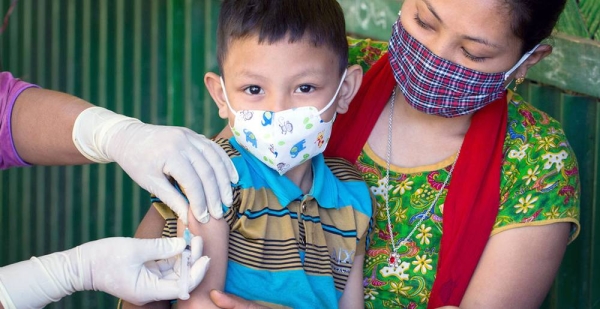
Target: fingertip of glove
x=205, y=260
x=233, y=174
x=184, y=296
x=181, y=214
x=235, y=178
x=184, y=220
x=217, y=211
x=201, y=265
x=204, y=218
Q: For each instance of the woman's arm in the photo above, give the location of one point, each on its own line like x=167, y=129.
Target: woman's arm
x=517, y=267
x=42, y=126
x=353, y=296
x=215, y=234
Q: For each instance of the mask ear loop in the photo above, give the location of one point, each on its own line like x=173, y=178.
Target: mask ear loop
x=336, y=93
x=228, y=105
x=527, y=54
x=226, y=98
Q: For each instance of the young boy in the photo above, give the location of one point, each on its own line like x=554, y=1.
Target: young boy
x=296, y=234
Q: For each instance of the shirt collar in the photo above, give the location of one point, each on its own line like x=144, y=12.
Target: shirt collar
x=324, y=187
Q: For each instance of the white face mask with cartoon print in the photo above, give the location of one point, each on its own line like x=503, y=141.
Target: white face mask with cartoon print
x=285, y=139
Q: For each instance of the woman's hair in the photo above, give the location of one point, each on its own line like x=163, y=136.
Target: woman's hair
x=320, y=22
x=533, y=20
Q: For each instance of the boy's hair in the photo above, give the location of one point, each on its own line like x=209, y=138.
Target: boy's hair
x=320, y=22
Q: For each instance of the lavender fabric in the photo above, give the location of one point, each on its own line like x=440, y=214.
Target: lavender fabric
x=10, y=89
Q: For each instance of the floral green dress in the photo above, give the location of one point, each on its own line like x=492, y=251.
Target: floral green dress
x=539, y=185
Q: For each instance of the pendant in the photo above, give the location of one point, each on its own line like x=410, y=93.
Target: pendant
x=395, y=267
x=394, y=260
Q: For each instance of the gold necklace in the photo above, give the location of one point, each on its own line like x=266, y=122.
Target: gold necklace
x=395, y=265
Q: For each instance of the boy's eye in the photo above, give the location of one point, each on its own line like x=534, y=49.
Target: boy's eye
x=305, y=89
x=253, y=90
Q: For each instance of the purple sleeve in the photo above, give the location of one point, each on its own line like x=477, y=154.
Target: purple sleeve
x=10, y=89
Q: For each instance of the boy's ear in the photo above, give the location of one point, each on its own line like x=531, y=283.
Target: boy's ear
x=213, y=84
x=349, y=88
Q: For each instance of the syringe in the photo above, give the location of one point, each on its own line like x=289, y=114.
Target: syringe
x=185, y=266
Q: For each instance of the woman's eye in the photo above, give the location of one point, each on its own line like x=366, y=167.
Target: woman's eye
x=305, y=89
x=421, y=23
x=471, y=57
x=253, y=90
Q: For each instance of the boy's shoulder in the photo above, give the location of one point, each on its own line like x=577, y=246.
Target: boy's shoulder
x=226, y=145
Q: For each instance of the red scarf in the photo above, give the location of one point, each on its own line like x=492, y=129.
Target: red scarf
x=473, y=199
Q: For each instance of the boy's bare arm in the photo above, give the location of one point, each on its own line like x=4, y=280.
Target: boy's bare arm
x=353, y=296
x=151, y=225
x=215, y=236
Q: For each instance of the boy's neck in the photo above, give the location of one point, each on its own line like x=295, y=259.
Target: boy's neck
x=302, y=176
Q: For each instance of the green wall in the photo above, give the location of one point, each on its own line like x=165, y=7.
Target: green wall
x=147, y=58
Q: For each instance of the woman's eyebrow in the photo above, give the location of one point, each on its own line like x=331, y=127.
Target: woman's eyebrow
x=435, y=14
x=468, y=37
x=481, y=41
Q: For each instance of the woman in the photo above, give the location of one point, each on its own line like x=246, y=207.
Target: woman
x=465, y=158
x=478, y=190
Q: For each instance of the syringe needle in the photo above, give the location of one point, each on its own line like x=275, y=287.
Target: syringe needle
x=185, y=266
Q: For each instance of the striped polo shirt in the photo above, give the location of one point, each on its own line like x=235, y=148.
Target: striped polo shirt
x=293, y=250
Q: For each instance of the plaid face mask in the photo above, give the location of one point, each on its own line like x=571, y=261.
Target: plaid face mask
x=437, y=86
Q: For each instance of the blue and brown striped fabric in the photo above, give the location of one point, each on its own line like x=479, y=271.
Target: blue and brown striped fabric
x=289, y=249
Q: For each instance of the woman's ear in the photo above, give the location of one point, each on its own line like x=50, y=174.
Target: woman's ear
x=349, y=88
x=540, y=53
x=213, y=84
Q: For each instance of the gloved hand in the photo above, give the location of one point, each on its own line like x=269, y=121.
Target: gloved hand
x=123, y=267
x=150, y=153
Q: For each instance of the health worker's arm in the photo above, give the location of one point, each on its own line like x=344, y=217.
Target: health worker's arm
x=55, y=128
x=42, y=125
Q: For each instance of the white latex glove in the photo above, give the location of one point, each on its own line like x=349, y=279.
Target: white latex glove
x=150, y=153
x=123, y=267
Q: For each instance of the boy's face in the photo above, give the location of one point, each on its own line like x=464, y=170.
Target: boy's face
x=280, y=76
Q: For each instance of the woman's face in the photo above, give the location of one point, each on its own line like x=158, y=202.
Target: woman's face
x=473, y=33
